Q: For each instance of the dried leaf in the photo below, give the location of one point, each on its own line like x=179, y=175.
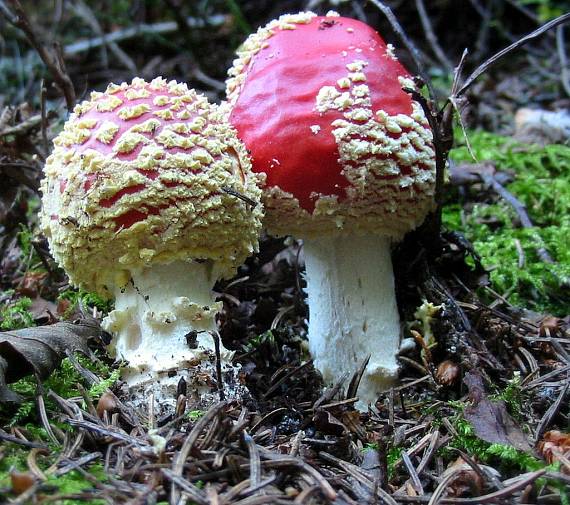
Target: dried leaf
x=329, y=424
x=39, y=351
x=490, y=420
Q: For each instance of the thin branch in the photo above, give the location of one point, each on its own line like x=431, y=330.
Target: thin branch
x=518, y=207
x=515, y=45
x=431, y=36
x=141, y=29
x=19, y=19
x=409, y=45
x=565, y=74
x=85, y=13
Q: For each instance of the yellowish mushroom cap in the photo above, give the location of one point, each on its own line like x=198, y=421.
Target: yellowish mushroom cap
x=147, y=173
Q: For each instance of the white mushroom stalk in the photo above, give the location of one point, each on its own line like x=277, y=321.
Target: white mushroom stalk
x=147, y=199
x=352, y=310
x=164, y=323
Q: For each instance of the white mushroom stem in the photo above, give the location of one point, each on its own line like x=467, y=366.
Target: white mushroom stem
x=162, y=323
x=352, y=310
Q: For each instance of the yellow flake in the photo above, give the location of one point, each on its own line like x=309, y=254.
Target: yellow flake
x=161, y=100
x=115, y=88
x=128, y=142
x=106, y=132
x=108, y=103
x=146, y=126
x=357, y=76
x=164, y=114
x=197, y=124
x=202, y=156
x=86, y=123
x=133, y=112
x=135, y=94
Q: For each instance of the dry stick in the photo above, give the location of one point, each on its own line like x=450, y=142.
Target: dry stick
x=416, y=482
x=481, y=471
x=194, y=492
x=287, y=376
x=357, y=473
x=43, y=111
x=140, y=29
x=84, y=12
x=45, y=421
x=409, y=45
x=20, y=441
x=254, y=460
x=219, y=379
x=550, y=413
x=565, y=74
x=24, y=127
x=187, y=446
x=515, y=45
x=519, y=209
x=431, y=37
x=54, y=64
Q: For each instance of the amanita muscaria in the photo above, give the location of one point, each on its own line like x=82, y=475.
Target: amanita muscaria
x=349, y=168
x=139, y=204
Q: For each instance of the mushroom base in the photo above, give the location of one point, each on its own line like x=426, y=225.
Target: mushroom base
x=353, y=311
x=163, y=326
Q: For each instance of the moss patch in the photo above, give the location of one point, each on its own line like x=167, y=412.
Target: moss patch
x=542, y=184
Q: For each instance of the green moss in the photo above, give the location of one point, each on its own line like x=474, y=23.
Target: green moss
x=505, y=457
x=265, y=338
x=514, y=396
x=86, y=299
x=16, y=314
x=542, y=184
x=394, y=454
x=62, y=381
x=71, y=483
x=75, y=482
x=194, y=415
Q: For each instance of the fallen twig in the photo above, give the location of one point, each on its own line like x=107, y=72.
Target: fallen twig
x=51, y=59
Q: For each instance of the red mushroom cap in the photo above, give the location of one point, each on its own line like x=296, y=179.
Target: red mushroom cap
x=318, y=101
x=139, y=176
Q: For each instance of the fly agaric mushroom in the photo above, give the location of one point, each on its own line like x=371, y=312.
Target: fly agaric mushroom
x=349, y=168
x=139, y=203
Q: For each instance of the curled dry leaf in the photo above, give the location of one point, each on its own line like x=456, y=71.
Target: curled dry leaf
x=467, y=482
x=39, y=351
x=554, y=444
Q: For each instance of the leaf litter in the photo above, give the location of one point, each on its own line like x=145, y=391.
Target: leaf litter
x=471, y=435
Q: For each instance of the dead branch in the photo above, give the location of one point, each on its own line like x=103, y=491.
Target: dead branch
x=503, y=52
x=141, y=29
x=490, y=180
x=84, y=12
x=52, y=59
x=565, y=74
x=431, y=36
x=408, y=44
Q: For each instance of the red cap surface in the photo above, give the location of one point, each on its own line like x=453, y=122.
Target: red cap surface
x=137, y=177
x=318, y=101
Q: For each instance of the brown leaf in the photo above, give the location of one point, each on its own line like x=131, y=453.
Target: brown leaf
x=39, y=351
x=490, y=420
x=327, y=423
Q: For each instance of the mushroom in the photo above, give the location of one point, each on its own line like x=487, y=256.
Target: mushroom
x=349, y=167
x=147, y=198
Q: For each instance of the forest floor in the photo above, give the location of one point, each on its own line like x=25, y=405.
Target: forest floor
x=480, y=413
